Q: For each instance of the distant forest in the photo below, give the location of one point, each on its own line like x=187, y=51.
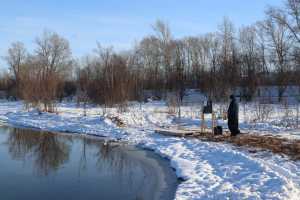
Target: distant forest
x=264, y=53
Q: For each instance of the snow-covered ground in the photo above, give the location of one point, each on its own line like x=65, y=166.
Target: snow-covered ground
x=209, y=170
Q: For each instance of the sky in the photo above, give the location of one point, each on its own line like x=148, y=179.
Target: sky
x=118, y=23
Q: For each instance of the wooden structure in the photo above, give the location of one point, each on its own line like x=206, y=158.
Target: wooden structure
x=208, y=109
x=203, y=125
x=177, y=132
x=203, y=129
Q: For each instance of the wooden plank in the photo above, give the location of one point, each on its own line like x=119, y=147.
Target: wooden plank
x=175, y=132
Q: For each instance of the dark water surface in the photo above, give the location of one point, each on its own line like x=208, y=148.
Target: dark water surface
x=39, y=165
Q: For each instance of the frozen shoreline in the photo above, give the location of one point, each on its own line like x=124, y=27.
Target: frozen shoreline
x=210, y=170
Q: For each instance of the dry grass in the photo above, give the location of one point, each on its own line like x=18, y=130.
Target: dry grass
x=116, y=120
x=271, y=143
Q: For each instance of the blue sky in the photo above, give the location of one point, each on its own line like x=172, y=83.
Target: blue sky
x=115, y=22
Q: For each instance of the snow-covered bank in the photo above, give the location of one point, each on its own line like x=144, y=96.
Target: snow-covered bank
x=210, y=170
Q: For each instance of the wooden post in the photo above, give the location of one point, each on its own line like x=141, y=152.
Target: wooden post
x=297, y=120
x=202, y=122
x=213, y=123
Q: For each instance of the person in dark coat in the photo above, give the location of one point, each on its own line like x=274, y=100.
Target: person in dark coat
x=233, y=116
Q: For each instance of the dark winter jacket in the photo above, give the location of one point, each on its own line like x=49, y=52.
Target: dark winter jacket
x=233, y=116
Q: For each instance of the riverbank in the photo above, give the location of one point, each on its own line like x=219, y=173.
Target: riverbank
x=209, y=170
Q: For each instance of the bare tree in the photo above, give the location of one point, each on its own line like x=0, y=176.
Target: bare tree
x=229, y=69
x=44, y=71
x=15, y=58
x=164, y=36
x=263, y=64
x=249, y=60
x=83, y=84
x=279, y=44
x=149, y=52
x=214, y=51
x=217, y=63
x=288, y=16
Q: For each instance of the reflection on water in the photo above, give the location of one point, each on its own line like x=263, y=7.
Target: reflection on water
x=74, y=167
x=48, y=150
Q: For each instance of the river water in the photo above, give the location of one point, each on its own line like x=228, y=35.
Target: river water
x=39, y=165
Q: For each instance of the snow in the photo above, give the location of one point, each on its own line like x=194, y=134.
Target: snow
x=209, y=170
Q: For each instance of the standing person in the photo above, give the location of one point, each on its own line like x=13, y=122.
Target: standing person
x=233, y=116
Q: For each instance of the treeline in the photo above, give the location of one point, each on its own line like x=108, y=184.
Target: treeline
x=264, y=53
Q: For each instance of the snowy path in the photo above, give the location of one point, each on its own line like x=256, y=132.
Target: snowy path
x=210, y=170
